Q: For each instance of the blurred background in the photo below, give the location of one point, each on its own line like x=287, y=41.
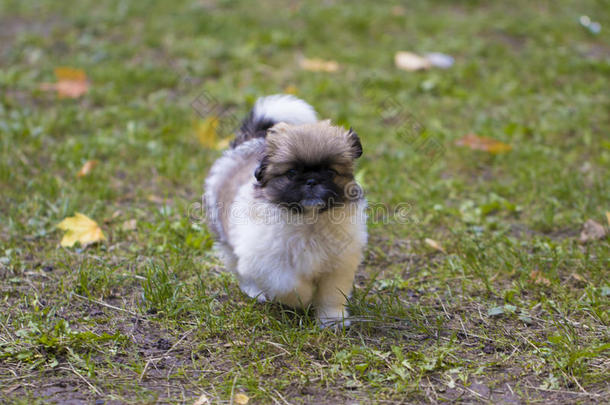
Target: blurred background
x=485, y=123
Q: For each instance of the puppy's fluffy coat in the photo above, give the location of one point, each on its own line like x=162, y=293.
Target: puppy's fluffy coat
x=288, y=216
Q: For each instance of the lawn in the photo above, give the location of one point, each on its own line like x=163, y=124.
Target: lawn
x=476, y=286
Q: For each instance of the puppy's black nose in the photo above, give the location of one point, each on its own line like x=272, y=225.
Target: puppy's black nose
x=311, y=182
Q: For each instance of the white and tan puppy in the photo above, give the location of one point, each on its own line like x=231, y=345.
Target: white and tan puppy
x=288, y=216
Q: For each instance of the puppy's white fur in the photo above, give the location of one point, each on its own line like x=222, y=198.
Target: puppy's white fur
x=284, y=108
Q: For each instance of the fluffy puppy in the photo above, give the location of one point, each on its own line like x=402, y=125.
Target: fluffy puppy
x=288, y=216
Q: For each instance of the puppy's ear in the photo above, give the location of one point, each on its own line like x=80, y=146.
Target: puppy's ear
x=259, y=173
x=355, y=143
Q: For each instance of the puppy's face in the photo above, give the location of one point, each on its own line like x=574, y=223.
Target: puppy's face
x=309, y=166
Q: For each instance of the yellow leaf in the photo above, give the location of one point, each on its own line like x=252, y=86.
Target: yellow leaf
x=87, y=167
x=411, y=62
x=71, y=83
x=206, y=132
x=241, y=399
x=319, y=65
x=434, y=245
x=608, y=217
x=483, y=143
x=80, y=228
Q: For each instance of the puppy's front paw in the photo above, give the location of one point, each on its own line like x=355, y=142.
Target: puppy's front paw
x=333, y=318
x=253, y=291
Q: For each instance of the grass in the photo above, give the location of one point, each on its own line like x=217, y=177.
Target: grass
x=515, y=309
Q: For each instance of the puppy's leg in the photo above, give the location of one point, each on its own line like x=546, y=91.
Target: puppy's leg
x=251, y=289
x=333, y=289
x=225, y=253
x=300, y=297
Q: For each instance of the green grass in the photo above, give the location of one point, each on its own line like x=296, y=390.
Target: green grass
x=149, y=315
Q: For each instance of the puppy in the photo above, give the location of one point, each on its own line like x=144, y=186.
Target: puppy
x=288, y=216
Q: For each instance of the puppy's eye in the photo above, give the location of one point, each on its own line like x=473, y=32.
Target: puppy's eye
x=291, y=173
x=333, y=171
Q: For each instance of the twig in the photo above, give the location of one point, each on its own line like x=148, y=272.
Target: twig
x=102, y=303
x=93, y=387
x=586, y=394
x=281, y=396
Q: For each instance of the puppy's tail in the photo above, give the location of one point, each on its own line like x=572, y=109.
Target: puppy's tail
x=270, y=110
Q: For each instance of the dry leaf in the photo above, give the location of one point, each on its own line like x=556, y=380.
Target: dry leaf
x=319, y=65
x=608, y=217
x=80, y=228
x=129, y=225
x=434, y=245
x=592, y=231
x=202, y=400
x=71, y=83
x=206, y=132
x=87, y=167
x=483, y=143
x=411, y=62
x=241, y=399
x=537, y=277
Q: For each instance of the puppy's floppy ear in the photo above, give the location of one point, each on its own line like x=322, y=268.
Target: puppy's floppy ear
x=259, y=173
x=355, y=142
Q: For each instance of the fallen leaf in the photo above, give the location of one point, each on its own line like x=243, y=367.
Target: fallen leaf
x=537, y=277
x=129, y=225
x=80, y=228
x=87, y=167
x=241, y=399
x=411, y=61
x=206, y=132
x=592, y=231
x=608, y=217
x=483, y=143
x=319, y=65
x=71, y=83
x=434, y=245
x=202, y=400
